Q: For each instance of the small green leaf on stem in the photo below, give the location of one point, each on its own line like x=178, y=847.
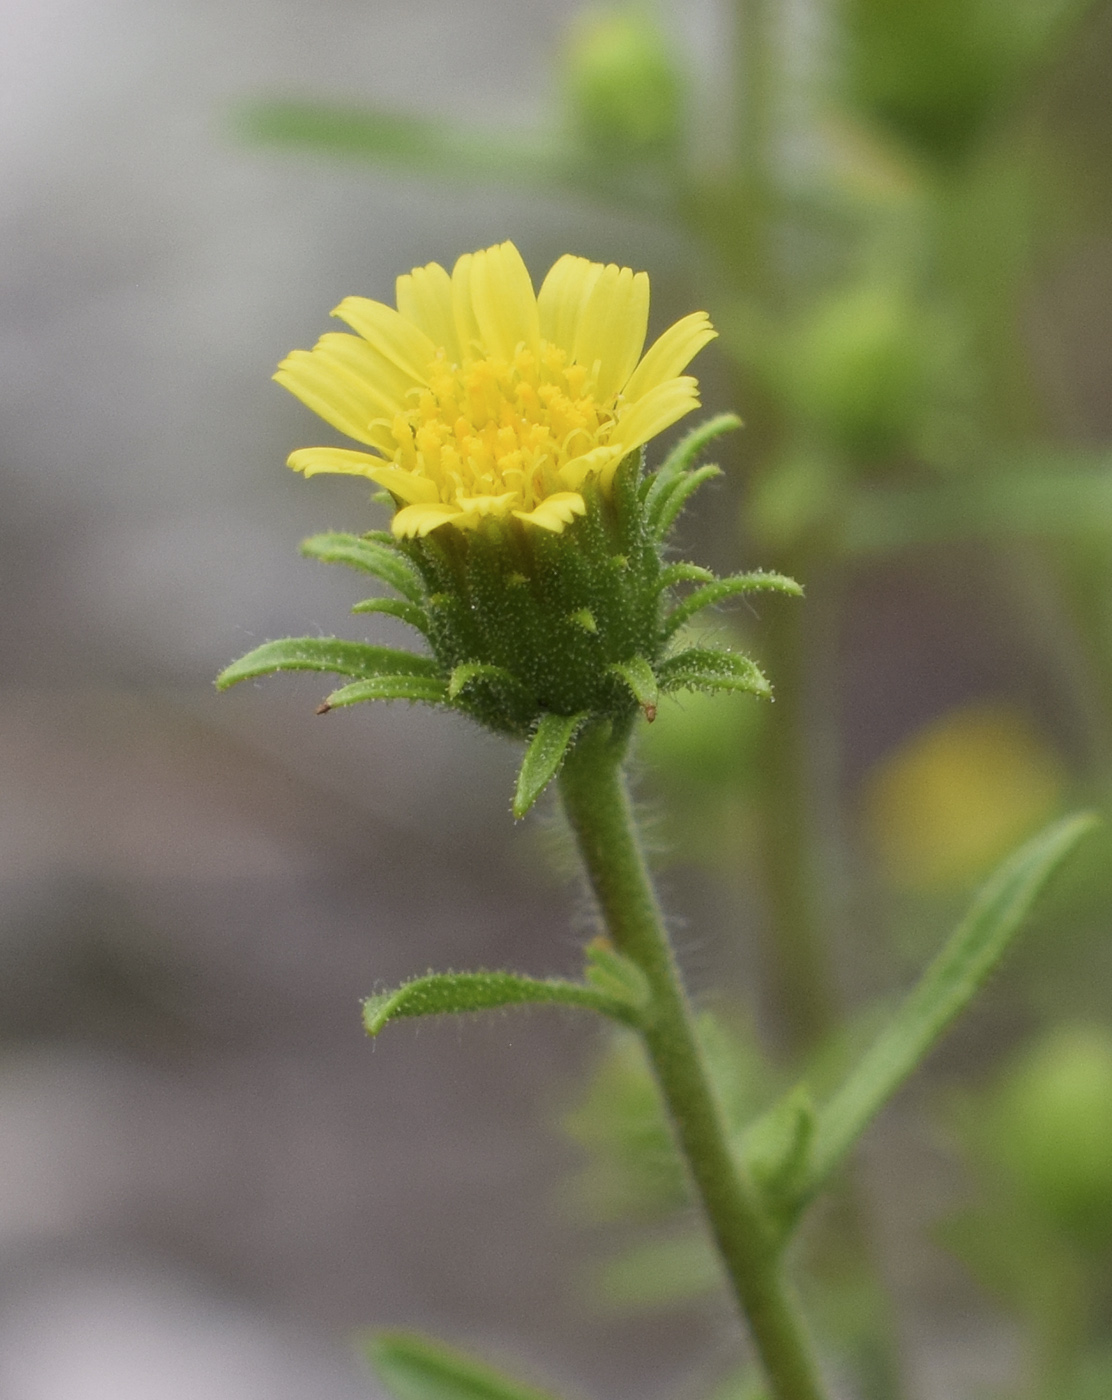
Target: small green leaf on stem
x=683, y=573
x=674, y=496
x=324, y=654
x=638, y=675
x=421, y=689
x=707, y=668
x=470, y=671
x=369, y=555
x=617, y=976
x=946, y=988
x=777, y=1146
x=400, y=608
x=546, y=751
x=443, y=993
x=413, y=1367
x=683, y=455
x=721, y=589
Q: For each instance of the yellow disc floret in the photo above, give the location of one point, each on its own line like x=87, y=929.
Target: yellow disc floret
x=481, y=398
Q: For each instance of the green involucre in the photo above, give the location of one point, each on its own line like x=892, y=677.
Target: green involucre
x=533, y=634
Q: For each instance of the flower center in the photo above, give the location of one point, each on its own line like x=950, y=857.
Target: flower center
x=492, y=427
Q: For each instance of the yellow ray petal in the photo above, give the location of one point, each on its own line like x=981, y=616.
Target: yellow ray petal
x=337, y=460
x=468, y=335
x=407, y=486
x=574, y=473
x=670, y=354
x=405, y=345
x=486, y=505
x=336, y=399
x=555, y=511
x=424, y=297
x=385, y=385
x=420, y=519
x=612, y=327
x=655, y=411
x=504, y=302
x=562, y=297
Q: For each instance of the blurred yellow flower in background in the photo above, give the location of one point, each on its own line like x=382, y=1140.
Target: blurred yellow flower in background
x=957, y=795
x=483, y=398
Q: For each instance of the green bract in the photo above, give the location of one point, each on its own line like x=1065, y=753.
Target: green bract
x=533, y=634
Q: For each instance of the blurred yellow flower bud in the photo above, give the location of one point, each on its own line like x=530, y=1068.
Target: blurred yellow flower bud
x=956, y=796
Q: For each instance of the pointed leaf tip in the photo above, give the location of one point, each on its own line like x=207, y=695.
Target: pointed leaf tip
x=683, y=455
x=447, y=993
x=708, y=668
x=674, y=495
x=419, y=689
x=638, y=676
x=414, y=1367
x=470, y=671
x=372, y=556
x=400, y=608
x=719, y=590
x=778, y=1143
x=947, y=986
x=547, y=748
x=334, y=654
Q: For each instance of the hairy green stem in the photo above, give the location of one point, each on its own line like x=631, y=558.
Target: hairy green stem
x=597, y=806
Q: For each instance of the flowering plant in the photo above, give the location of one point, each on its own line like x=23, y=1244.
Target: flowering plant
x=527, y=547
x=527, y=543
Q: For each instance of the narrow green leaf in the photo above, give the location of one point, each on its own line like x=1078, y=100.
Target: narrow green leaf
x=414, y=1367
x=638, y=675
x=324, y=654
x=400, y=608
x=683, y=573
x=675, y=496
x=543, y=757
x=661, y=1273
x=721, y=589
x=617, y=976
x=470, y=671
x=1056, y=493
x=372, y=557
x=683, y=455
x=946, y=988
x=707, y=668
x=441, y=993
x=416, y=144
x=421, y=689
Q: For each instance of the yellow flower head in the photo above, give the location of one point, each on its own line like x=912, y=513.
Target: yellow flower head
x=479, y=397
